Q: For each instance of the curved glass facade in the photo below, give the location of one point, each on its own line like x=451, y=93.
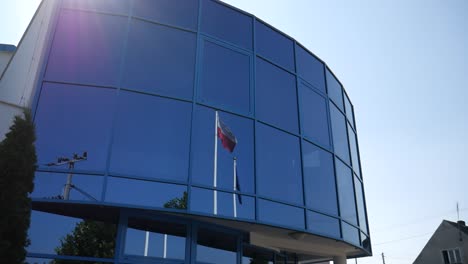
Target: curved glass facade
x=137, y=85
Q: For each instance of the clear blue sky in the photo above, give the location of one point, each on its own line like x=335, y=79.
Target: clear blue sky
x=405, y=67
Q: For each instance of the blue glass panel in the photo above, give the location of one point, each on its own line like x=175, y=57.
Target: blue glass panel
x=340, y=137
x=170, y=51
x=151, y=137
x=346, y=192
x=50, y=261
x=322, y=224
x=360, y=205
x=278, y=165
x=51, y=186
x=87, y=48
x=354, y=151
x=274, y=45
x=280, y=214
x=216, y=247
x=163, y=239
x=349, y=110
x=73, y=119
x=203, y=151
x=276, y=97
x=111, y=6
x=310, y=68
x=314, y=116
x=173, y=12
x=350, y=234
x=319, y=180
x=225, y=79
x=146, y=193
x=226, y=23
x=228, y=204
x=365, y=242
x=335, y=91
x=48, y=234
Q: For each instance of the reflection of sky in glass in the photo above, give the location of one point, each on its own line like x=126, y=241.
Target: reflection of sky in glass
x=309, y=68
x=278, y=165
x=87, y=48
x=360, y=205
x=280, y=214
x=334, y=90
x=46, y=230
x=202, y=201
x=73, y=119
x=148, y=143
x=203, y=151
x=322, y=224
x=350, y=233
x=225, y=78
x=275, y=96
x=143, y=193
x=354, y=152
x=319, y=180
x=314, y=116
x=340, y=138
x=269, y=42
x=345, y=192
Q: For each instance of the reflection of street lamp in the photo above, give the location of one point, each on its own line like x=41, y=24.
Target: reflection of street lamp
x=71, y=164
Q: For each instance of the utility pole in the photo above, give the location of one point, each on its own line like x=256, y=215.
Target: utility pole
x=383, y=258
x=71, y=164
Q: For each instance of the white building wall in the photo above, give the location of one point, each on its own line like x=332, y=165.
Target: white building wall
x=20, y=76
x=5, y=57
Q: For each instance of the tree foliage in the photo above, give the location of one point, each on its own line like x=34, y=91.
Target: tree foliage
x=17, y=166
x=178, y=203
x=89, y=238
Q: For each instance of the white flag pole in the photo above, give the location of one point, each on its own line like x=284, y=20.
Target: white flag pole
x=165, y=246
x=215, y=194
x=146, y=244
x=235, y=187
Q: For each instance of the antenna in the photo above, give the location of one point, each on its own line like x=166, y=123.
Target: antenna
x=458, y=212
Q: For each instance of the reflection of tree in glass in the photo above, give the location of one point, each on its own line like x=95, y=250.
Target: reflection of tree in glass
x=178, y=203
x=89, y=238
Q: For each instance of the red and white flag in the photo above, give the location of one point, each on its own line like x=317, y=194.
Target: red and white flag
x=228, y=139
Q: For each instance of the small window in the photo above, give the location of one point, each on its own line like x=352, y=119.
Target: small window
x=216, y=247
x=452, y=256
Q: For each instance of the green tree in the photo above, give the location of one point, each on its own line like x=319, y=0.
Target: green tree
x=17, y=167
x=178, y=203
x=89, y=238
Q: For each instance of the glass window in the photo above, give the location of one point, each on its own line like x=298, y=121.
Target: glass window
x=225, y=78
x=173, y=12
x=280, y=214
x=53, y=186
x=322, y=224
x=349, y=110
x=319, y=180
x=276, y=97
x=227, y=204
x=203, y=151
x=340, y=137
x=61, y=261
x=226, y=23
x=335, y=90
x=151, y=137
x=160, y=60
x=365, y=242
x=274, y=45
x=310, y=68
x=360, y=205
x=62, y=235
x=152, y=238
x=314, y=116
x=350, y=233
x=146, y=193
x=252, y=255
x=216, y=247
x=278, y=165
x=354, y=151
x=111, y=6
x=87, y=48
x=346, y=192
x=74, y=119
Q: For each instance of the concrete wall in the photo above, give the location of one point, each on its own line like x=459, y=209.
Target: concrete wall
x=445, y=237
x=19, y=77
x=5, y=57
